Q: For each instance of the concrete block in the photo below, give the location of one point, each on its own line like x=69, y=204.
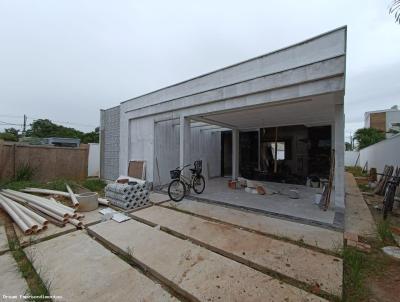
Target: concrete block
x=288, y=259
x=311, y=235
x=11, y=281
x=80, y=269
x=193, y=271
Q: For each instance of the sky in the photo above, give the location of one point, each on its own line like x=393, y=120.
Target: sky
x=65, y=60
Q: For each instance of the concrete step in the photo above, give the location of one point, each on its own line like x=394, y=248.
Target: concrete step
x=314, y=236
x=298, y=263
x=81, y=269
x=193, y=271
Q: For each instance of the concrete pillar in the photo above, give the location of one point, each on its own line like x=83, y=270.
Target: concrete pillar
x=184, y=141
x=235, y=153
x=339, y=157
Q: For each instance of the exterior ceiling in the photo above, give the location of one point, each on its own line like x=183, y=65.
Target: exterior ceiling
x=310, y=112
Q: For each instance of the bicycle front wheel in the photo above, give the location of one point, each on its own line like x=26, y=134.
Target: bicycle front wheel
x=199, y=184
x=176, y=190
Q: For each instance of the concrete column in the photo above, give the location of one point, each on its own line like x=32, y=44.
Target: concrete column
x=235, y=153
x=339, y=157
x=184, y=141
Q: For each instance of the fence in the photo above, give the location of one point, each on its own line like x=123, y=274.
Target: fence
x=385, y=152
x=48, y=162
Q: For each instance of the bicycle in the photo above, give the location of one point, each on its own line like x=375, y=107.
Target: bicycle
x=388, y=199
x=181, y=184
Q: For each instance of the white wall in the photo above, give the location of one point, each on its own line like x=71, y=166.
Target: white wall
x=204, y=145
x=94, y=160
x=383, y=153
x=350, y=158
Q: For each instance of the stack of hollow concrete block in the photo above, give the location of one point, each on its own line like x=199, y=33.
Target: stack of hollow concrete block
x=127, y=196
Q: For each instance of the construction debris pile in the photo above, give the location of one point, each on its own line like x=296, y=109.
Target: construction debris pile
x=128, y=195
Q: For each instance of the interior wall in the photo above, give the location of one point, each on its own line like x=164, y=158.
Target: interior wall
x=204, y=145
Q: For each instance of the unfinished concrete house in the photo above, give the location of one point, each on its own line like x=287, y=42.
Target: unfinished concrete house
x=277, y=119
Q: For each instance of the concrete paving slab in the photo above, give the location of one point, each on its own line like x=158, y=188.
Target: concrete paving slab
x=290, y=260
x=192, y=270
x=314, y=236
x=358, y=218
x=158, y=198
x=11, y=281
x=3, y=240
x=81, y=269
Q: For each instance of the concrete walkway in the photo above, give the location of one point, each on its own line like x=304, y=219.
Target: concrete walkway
x=11, y=281
x=80, y=269
x=358, y=218
x=311, y=235
x=290, y=260
x=194, y=271
x=3, y=240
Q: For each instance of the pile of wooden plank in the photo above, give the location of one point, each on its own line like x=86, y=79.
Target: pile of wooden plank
x=380, y=188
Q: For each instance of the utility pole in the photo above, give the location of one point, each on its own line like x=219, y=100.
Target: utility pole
x=24, y=128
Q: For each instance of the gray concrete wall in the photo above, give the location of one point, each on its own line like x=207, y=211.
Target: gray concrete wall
x=204, y=145
x=109, y=143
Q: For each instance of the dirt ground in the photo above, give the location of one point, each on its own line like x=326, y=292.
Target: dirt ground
x=383, y=280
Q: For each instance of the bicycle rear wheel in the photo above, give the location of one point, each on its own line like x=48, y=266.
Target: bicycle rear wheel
x=176, y=190
x=199, y=184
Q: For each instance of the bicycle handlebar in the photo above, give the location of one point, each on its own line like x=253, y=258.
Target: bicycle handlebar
x=185, y=166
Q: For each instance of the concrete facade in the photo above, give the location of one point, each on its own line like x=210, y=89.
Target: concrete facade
x=390, y=119
x=109, y=143
x=303, y=84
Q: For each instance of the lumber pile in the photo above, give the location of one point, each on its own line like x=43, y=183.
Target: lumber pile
x=380, y=188
x=128, y=196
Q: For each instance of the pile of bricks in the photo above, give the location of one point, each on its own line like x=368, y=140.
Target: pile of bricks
x=127, y=196
x=352, y=240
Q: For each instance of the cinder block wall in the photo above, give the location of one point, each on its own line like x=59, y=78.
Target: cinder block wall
x=109, y=143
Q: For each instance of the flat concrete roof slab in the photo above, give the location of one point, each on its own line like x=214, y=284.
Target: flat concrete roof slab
x=192, y=270
x=81, y=269
x=11, y=281
x=298, y=263
x=158, y=198
x=3, y=240
x=311, y=235
x=358, y=218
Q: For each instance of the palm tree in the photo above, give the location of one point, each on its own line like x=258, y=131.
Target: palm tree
x=395, y=9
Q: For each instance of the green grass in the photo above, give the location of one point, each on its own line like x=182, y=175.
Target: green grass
x=385, y=232
x=365, y=188
x=353, y=274
x=94, y=184
x=356, y=171
x=58, y=185
x=358, y=267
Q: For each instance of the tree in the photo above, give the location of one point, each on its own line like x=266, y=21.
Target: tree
x=46, y=128
x=10, y=134
x=348, y=146
x=395, y=9
x=368, y=136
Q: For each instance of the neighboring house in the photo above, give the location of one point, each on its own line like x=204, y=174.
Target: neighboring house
x=387, y=120
x=285, y=107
